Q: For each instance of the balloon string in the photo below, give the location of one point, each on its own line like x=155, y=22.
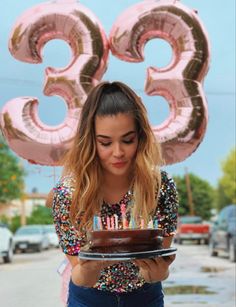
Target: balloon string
x=54, y=175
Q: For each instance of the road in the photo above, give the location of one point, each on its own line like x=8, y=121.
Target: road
x=195, y=270
x=32, y=280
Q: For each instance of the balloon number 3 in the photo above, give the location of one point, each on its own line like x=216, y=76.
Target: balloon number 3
x=74, y=23
x=180, y=83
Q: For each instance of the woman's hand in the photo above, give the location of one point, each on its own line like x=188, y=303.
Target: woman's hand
x=155, y=269
x=87, y=272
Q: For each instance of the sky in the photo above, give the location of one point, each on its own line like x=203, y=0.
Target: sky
x=22, y=79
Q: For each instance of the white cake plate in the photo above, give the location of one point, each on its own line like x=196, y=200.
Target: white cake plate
x=127, y=256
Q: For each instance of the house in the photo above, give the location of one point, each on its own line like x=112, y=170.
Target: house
x=23, y=207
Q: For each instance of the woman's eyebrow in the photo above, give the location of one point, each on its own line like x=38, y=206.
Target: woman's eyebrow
x=128, y=133
x=108, y=137
x=103, y=136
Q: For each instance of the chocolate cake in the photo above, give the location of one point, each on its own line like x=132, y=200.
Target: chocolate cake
x=124, y=241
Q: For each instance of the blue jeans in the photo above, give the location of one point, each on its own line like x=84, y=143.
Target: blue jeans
x=149, y=295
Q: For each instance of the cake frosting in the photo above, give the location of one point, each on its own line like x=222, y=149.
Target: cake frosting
x=124, y=240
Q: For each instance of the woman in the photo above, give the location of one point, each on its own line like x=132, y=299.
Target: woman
x=114, y=160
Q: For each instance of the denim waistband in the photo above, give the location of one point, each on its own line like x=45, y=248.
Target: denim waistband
x=147, y=295
x=144, y=288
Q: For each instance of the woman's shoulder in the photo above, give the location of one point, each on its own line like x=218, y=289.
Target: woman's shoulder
x=166, y=178
x=167, y=208
x=65, y=183
x=168, y=186
x=62, y=193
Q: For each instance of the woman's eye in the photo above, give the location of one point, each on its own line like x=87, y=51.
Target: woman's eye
x=105, y=144
x=128, y=141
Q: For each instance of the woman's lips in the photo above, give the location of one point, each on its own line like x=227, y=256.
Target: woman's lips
x=119, y=164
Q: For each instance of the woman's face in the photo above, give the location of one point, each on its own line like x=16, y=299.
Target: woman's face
x=117, y=142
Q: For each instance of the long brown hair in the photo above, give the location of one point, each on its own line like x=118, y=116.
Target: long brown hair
x=82, y=161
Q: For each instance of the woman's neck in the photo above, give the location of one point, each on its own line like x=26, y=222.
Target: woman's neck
x=115, y=187
x=116, y=182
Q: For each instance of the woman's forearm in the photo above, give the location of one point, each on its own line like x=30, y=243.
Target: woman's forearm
x=84, y=278
x=151, y=277
x=155, y=269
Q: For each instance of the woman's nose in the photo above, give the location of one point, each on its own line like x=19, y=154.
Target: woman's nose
x=118, y=151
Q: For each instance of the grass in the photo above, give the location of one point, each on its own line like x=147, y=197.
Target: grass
x=187, y=289
x=208, y=269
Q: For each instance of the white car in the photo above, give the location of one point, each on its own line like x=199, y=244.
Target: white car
x=30, y=237
x=6, y=244
x=51, y=234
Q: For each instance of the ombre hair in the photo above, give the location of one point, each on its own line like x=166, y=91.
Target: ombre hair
x=109, y=99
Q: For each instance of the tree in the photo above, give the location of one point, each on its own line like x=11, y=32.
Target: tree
x=15, y=223
x=202, y=196
x=226, y=190
x=11, y=175
x=40, y=215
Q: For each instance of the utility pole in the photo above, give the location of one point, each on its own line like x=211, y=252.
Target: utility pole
x=189, y=193
x=23, y=215
x=23, y=209
x=22, y=201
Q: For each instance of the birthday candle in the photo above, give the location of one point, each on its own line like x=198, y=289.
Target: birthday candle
x=112, y=223
x=156, y=224
x=123, y=213
x=132, y=223
x=116, y=221
x=108, y=223
x=142, y=223
x=100, y=223
x=122, y=209
x=150, y=224
x=94, y=223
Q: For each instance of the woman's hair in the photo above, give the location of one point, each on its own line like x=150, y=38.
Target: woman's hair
x=108, y=99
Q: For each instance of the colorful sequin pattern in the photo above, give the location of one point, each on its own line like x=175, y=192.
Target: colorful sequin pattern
x=124, y=276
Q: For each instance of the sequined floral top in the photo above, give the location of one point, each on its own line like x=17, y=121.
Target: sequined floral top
x=123, y=276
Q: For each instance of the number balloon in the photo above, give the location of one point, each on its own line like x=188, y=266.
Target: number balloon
x=74, y=23
x=181, y=81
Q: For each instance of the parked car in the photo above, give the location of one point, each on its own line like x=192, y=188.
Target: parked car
x=31, y=237
x=6, y=243
x=192, y=228
x=52, y=236
x=223, y=234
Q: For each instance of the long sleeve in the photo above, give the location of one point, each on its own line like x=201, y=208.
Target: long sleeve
x=70, y=239
x=167, y=209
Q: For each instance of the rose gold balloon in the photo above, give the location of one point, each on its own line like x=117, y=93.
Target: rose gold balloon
x=30, y=138
x=181, y=81
x=74, y=23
